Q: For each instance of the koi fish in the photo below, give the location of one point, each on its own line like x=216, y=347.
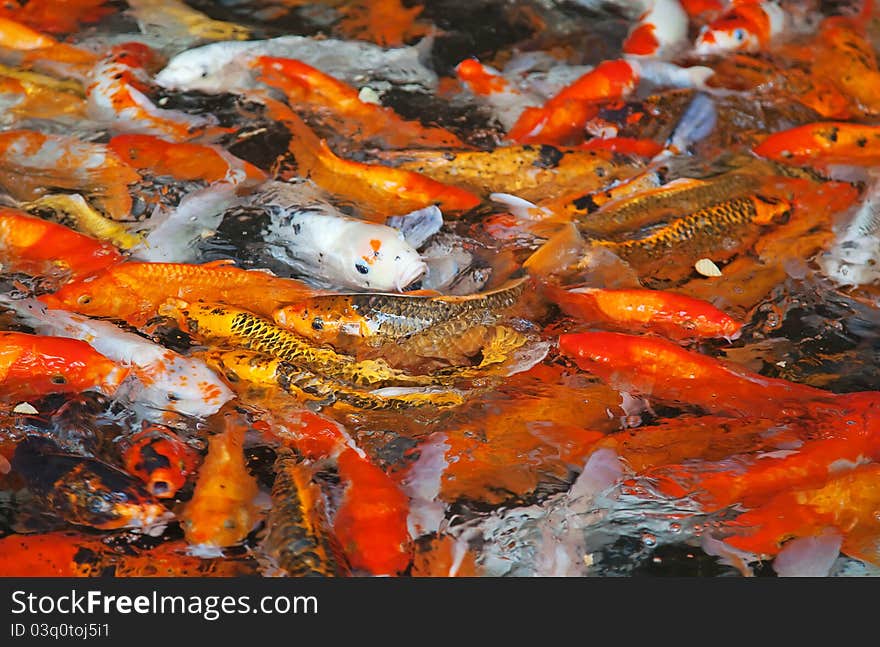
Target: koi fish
x=84, y=490
x=661, y=31
x=379, y=191
x=846, y=58
x=384, y=317
x=31, y=161
x=672, y=315
x=45, y=15
x=666, y=371
x=489, y=86
x=15, y=35
x=165, y=380
x=671, y=250
x=161, y=459
x=747, y=26
x=34, y=365
x=35, y=246
x=385, y=22
x=75, y=208
x=824, y=143
x=270, y=373
x=304, y=84
x=51, y=554
x=226, y=66
x=134, y=291
x=299, y=542
x=221, y=511
x=116, y=95
x=371, y=521
x=311, y=236
x=845, y=504
x=175, y=21
x=244, y=329
x=184, y=161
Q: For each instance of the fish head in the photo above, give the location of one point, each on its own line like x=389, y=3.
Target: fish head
x=769, y=209
x=316, y=321
x=726, y=36
x=385, y=263
x=98, y=296
x=186, y=386
x=161, y=460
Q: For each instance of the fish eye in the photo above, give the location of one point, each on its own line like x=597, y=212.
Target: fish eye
x=363, y=269
x=317, y=324
x=739, y=35
x=172, y=397
x=84, y=300
x=58, y=379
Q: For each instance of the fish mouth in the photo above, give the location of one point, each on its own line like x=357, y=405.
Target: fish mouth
x=411, y=274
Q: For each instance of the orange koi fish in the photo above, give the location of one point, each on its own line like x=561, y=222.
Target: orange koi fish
x=837, y=436
x=823, y=143
x=116, y=95
x=222, y=512
x=846, y=58
x=33, y=49
x=56, y=16
x=747, y=26
x=15, y=35
x=34, y=365
x=847, y=504
x=84, y=490
x=379, y=191
x=660, y=31
x=161, y=459
x=699, y=8
x=385, y=22
x=31, y=161
x=669, y=314
x=664, y=370
x=624, y=146
x=563, y=118
x=134, y=291
x=371, y=520
x=183, y=161
x=51, y=554
x=35, y=246
x=304, y=84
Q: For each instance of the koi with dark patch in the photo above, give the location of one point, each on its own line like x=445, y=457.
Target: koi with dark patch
x=299, y=541
x=85, y=490
x=161, y=459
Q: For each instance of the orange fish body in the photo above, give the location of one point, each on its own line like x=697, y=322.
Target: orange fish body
x=847, y=504
x=664, y=370
x=30, y=161
x=660, y=31
x=672, y=315
x=221, y=512
x=371, y=522
x=563, y=118
x=34, y=365
x=379, y=191
x=182, y=161
x=480, y=80
x=134, y=291
x=56, y=16
x=823, y=143
x=15, y=35
x=303, y=83
x=32, y=245
x=51, y=554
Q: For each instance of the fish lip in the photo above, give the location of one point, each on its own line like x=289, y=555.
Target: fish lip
x=416, y=270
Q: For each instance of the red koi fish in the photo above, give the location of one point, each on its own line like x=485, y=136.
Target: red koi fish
x=305, y=84
x=664, y=370
x=748, y=26
x=823, y=143
x=31, y=161
x=847, y=504
x=56, y=16
x=669, y=314
x=34, y=365
x=184, y=161
x=35, y=246
x=161, y=459
x=562, y=119
x=659, y=32
x=52, y=554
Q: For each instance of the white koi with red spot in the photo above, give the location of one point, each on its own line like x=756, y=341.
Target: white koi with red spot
x=745, y=27
x=660, y=32
x=316, y=240
x=165, y=381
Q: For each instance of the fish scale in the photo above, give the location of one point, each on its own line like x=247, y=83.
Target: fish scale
x=702, y=232
x=298, y=540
